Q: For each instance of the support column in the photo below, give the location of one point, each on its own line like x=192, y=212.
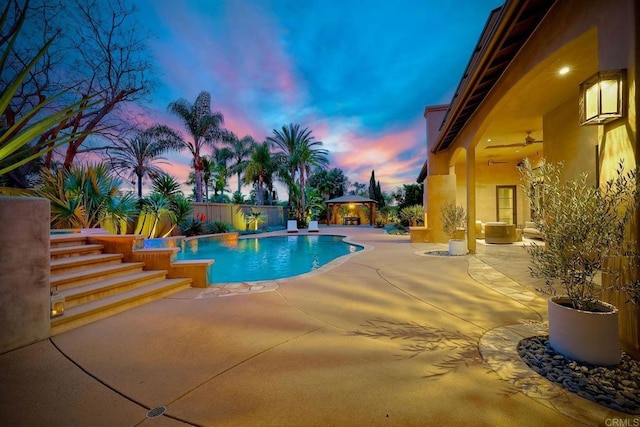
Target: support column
x=471, y=199
x=440, y=189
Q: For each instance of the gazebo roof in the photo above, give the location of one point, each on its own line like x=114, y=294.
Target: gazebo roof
x=351, y=198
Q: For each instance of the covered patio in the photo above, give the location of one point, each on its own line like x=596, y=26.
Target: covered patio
x=348, y=210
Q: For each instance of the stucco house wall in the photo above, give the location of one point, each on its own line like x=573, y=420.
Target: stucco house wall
x=24, y=271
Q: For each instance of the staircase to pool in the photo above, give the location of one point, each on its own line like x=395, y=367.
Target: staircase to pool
x=96, y=285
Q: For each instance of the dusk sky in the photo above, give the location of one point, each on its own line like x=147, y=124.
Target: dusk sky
x=357, y=73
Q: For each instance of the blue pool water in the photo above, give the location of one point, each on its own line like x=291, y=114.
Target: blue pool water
x=267, y=258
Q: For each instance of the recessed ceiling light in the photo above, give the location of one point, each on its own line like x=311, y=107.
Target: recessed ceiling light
x=564, y=70
x=488, y=139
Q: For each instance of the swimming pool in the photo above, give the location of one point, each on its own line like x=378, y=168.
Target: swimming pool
x=267, y=258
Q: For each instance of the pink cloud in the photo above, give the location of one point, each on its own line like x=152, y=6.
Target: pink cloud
x=238, y=57
x=381, y=153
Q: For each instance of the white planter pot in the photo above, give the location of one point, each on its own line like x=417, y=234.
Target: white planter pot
x=586, y=336
x=457, y=247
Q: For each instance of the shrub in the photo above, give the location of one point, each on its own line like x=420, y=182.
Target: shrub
x=192, y=227
x=453, y=217
x=216, y=227
x=582, y=226
x=414, y=215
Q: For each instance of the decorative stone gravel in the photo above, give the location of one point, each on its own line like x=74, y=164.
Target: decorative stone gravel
x=616, y=387
x=439, y=253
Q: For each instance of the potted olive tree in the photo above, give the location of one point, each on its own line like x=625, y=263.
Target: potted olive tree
x=582, y=225
x=454, y=220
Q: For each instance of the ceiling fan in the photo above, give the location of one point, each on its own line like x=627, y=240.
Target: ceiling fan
x=492, y=162
x=527, y=141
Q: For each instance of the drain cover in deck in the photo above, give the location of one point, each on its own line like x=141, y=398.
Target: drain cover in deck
x=156, y=412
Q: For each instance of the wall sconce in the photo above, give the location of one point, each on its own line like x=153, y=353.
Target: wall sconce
x=602, y=97
x=57, y=304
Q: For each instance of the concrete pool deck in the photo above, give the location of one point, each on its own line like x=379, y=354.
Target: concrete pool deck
x=388, y=336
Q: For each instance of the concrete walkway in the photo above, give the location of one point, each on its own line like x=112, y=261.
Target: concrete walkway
x=387, y=336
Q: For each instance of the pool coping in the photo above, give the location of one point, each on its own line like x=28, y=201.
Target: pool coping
x=225, y=289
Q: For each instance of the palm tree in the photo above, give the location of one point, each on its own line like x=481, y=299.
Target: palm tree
x=204, y=128
x=302, y=153
x=358, y=188
x=259, y=170
x=207, y=170
x=287, y=142
x=221, y=171
x=241, y=151
x=140, y=155
x=309, y=156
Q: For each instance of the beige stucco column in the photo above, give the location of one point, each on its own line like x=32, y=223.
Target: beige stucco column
x=471, y=199
x=439, y=190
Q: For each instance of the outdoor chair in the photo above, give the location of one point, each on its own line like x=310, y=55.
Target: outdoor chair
x=292, y=226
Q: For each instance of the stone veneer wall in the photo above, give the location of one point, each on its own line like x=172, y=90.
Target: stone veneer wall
x=24, y=271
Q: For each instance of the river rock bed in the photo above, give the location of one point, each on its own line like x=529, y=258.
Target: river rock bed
x=440, y=253
x=616, y=387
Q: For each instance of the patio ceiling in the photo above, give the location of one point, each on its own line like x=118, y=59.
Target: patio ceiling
x=522, y=107
x=536, y=94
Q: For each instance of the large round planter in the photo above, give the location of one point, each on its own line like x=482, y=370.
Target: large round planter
x=587, y=336
x=457, y=247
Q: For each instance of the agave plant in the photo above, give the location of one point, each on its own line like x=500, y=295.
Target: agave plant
x=215, y=227
x=192, y=226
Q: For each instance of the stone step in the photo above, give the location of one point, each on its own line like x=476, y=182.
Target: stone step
x=104, y=307
x=72, y=239
x=68, y=265
x=76, y=250
x=93, y=274
x=103, y=288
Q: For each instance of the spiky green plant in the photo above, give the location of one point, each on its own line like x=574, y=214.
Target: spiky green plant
x=192, y=226
x=83, y=196
x=15, y=140
x=119, y=212
x=412, y=214
x=215, y=227
x=153, y=207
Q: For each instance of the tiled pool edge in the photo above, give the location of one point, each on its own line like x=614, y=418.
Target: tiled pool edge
x=243, y=288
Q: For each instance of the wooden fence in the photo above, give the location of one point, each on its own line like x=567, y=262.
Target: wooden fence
x=273, y=216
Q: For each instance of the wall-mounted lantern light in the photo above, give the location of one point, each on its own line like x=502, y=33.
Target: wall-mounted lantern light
x=602, y=97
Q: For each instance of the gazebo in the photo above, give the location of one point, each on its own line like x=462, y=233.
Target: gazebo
x=353, y=214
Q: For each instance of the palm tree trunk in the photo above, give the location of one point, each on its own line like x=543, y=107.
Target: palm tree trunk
x=239, y=183
x=139, y=186
x=303, y=195
x=197, y=172
x=260, y=191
